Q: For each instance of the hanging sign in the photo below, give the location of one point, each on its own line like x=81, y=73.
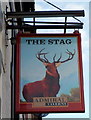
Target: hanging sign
x=49, y=76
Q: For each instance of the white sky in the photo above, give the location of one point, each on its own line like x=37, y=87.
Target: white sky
x=72, y=5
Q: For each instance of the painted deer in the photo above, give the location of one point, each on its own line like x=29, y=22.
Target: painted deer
x=49, y=85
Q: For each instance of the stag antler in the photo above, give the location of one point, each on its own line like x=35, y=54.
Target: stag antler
x=71, y=55
x=41, y=59
x=55, y=57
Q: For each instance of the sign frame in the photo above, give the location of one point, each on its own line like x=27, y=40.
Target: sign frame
x=27, y=106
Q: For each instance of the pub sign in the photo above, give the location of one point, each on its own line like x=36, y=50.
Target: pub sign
x=49, y=75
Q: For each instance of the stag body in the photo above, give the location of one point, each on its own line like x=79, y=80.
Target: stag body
x=49, y=86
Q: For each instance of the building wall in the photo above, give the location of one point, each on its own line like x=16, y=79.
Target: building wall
x=0, y=45
x=5, y=75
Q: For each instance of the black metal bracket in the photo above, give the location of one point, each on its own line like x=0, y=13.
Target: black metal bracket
x=13, y=40
x=37, y=14
x=40, y=24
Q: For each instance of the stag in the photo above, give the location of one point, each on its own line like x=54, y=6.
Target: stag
x=49, y=85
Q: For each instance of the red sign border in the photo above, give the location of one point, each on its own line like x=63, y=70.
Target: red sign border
x=23, y=107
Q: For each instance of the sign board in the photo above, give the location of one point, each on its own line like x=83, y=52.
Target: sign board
x=49, y=76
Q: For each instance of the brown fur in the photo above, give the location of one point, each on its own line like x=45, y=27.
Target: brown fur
x=48, y=87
